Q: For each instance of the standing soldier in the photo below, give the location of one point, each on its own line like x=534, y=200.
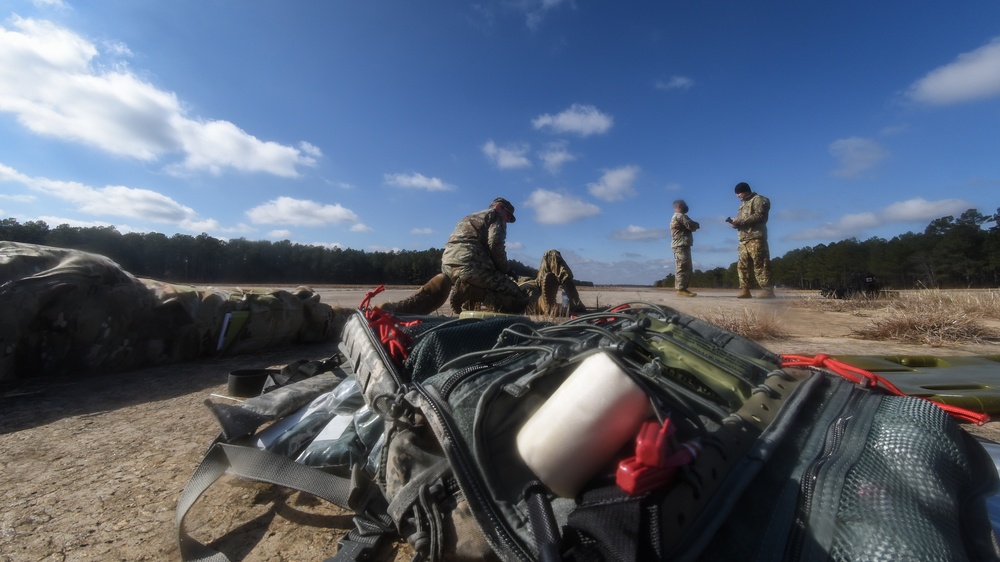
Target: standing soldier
x=681, y=229
x=754, y=255
x=475, y=259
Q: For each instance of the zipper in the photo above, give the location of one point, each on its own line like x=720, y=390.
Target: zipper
x=454, y=379
x=463, y=466
x=811, y=475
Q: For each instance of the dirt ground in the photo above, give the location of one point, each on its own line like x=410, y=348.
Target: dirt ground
x=92, y=468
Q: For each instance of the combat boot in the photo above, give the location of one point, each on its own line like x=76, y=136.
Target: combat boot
x=550, y=292
x=744, y=294
x=466, y=297
x=426, y=300
x=767, y=294
x=686, y=293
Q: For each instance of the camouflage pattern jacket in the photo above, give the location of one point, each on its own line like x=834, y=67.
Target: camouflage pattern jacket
x=479, y=239
x=751, y=219
x=681, y=227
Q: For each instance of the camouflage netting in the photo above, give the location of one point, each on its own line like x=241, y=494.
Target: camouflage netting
x=67, y=311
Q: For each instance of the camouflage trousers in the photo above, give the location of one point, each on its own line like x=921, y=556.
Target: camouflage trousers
x=502, y=293
x=754, y=261
x=682, y=277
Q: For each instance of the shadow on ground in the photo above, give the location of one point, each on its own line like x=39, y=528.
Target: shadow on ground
x=36, y=402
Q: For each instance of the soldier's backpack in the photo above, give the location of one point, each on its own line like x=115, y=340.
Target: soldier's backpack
x=727, y=454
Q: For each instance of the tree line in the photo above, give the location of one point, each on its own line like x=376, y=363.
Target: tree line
x=206, y=259
x=952, y=252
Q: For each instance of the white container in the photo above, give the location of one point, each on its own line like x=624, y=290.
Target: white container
x=580, y=428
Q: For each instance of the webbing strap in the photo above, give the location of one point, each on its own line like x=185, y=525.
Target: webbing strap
x=251, y=464
x=872, y=380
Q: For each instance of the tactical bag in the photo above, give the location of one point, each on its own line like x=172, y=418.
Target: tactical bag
x=760, y=461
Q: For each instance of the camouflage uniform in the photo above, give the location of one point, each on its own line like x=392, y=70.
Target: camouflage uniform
x=754, y=255
x=681, y=229
x=476, y=255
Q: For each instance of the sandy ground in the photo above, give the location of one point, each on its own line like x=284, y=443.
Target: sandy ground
x=92, y=467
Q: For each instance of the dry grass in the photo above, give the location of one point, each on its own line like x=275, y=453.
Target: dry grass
x=749, y=323
x=935, y=318
x=857, y=305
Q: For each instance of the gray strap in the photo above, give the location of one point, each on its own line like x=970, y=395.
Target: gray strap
x=251, y=464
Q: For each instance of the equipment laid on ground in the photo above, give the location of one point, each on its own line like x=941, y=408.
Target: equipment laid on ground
x=858, y=285
x=473, y=444
x=70, y=311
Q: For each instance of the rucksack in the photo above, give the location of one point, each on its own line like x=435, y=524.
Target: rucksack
x=730, y=453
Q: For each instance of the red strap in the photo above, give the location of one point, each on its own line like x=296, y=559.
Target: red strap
x=395, y=341
x=872, y=380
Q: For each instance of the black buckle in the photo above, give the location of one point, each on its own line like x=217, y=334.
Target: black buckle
x=351, y=551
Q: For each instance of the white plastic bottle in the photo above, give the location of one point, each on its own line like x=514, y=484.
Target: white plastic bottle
x=580, y=428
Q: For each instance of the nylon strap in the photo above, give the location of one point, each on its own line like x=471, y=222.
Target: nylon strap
x=251, y=464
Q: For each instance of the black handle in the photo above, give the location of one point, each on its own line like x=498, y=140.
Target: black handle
x=543, y=522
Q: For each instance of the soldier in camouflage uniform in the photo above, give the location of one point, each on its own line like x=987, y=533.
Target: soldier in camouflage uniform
x=754, y=255
x=681, y=229
x=475, y=259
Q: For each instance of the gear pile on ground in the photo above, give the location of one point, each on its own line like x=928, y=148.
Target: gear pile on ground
x=71, y=311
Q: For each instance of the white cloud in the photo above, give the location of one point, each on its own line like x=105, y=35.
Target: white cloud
x=507, y=157
x=53, y=81
x=615, y=184
x=56, y=221
x=920, y=209
x=300, y=212
x=339, y=184
x=18, y=198
x=514, y=246
x=310, y=149
x=385, y=249
x=856, y=155
x=911, y=210
x=329, y=245
x=972, y=76
x=280, y=233
x=552, y=207
x=675, y=83
x=583, y=120
x=845, y=227
x=421, y=231
x=361, y=227
x=117, y=48
x=536, y=10
x=555, y=155
x=200, y=225
x=642, y=233
x=417, y=181
x=890, y=130
x=631, y=271
x=114, y=201
x=59, y=4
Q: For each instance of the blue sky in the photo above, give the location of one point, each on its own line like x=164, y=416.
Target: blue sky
x=377, y=125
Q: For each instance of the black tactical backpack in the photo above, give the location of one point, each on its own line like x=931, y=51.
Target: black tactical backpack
x=739, y=458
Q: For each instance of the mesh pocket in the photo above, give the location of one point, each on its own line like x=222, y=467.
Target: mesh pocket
x=901, y=500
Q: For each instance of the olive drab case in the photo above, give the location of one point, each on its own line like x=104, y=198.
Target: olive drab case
x=689, y=443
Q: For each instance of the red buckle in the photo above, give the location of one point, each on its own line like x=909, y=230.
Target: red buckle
x=657, y=458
